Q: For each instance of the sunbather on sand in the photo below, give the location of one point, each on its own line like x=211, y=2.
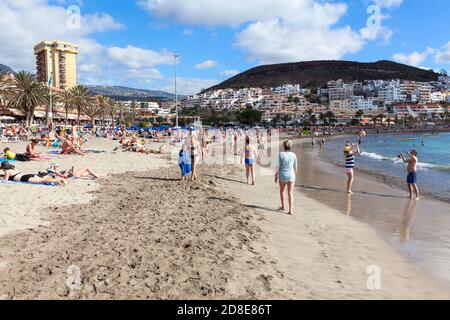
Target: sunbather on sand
x=55, y=169
x=68, y=147
x=31, y=149
x=13, y=175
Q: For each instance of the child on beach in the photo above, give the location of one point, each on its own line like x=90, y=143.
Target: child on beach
x=412, y=180
x=350, y=151
x=184, y=161
x=250, y=161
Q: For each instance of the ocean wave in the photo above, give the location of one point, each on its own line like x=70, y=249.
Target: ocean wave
x=398, y=161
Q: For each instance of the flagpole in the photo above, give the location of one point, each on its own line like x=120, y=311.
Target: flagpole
x=50, y=112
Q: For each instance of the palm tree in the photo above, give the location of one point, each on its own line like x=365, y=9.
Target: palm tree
x=66, y=101
x=133, y=108
x=323, y=118
x=80, y=99
x=121, y=109
x=102, y=103
x=92, y=110
x=113, y=111
x=28, y=95
x=6, y=88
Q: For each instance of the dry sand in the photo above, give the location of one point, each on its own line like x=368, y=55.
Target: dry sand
x=22, y=205
x=149, y=236
x=145, y=236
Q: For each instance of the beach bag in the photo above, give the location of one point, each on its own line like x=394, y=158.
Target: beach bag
x=22, y=158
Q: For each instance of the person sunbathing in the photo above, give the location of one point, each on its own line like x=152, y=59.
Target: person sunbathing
x=31, y=149
x=68, y=147
x=55, y=170
x=13, y=175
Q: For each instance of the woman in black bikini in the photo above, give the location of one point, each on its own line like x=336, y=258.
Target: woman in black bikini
x=11, y=174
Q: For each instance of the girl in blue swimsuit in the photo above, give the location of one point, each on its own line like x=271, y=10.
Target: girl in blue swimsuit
x=250, y=161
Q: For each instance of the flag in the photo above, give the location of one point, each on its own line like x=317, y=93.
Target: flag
x=50, y=80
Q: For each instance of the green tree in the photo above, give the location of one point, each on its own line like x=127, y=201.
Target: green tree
x=92, y=110
x=81, y=99
x=286, y=118
x=250, y=116
x=65, y=99
x=27, y=95
x=6, y=88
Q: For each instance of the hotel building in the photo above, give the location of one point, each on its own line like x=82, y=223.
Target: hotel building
x=58, y=59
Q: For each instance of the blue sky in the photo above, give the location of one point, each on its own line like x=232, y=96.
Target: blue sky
x=131, y=42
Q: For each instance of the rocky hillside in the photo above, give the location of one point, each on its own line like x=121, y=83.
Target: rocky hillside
x=315, y=74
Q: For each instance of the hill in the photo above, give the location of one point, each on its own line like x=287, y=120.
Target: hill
x=4, y=68
x=125, y=93
x=314, y=74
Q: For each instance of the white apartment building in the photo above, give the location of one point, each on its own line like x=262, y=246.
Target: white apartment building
x=391, y=94
x=437, y=97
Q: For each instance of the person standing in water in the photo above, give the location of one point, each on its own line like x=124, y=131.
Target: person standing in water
x=412, y=180
x=350, y=151
x=286, y=174
x=250, y=161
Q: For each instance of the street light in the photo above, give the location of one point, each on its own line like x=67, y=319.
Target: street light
x=175, y=56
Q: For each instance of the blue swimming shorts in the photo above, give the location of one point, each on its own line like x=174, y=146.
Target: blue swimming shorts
x=250, y=162
x=412, y=178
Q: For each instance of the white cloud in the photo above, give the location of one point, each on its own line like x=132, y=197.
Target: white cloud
x=443, y=55
x=415, y=58
x=388, y=3
x=188, y=32
x=229, y=73
x=206, y=64
x=25, y=23
x=134, y=57
x=272, y=31
x=186, y=86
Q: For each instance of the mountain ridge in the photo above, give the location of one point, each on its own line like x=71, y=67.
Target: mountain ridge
x=314, y=74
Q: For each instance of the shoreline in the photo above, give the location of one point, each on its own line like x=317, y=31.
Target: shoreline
x=325, y=255
x=390, y=180
x=415, y=229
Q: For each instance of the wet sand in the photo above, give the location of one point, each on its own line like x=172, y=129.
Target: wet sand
x=420, y=230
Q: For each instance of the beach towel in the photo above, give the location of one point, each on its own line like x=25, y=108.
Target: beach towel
x=54, y=152
x=43, y=158
x=6, y=160
x=28, y=183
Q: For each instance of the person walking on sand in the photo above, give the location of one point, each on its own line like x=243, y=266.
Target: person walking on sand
x=195, y=152
x=412, y=179
x=184, y=161
x=350, y=151
x=250, y=161
x=286, y=174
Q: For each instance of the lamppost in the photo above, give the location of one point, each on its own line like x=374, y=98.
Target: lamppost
x=175, y=56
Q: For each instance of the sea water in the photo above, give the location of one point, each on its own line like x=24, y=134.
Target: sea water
x=379, y=154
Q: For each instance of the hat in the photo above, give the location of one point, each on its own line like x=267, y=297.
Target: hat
x=52, y=168
x=6, y=166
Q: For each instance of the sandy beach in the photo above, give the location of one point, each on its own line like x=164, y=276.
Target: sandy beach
x=143, y=234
